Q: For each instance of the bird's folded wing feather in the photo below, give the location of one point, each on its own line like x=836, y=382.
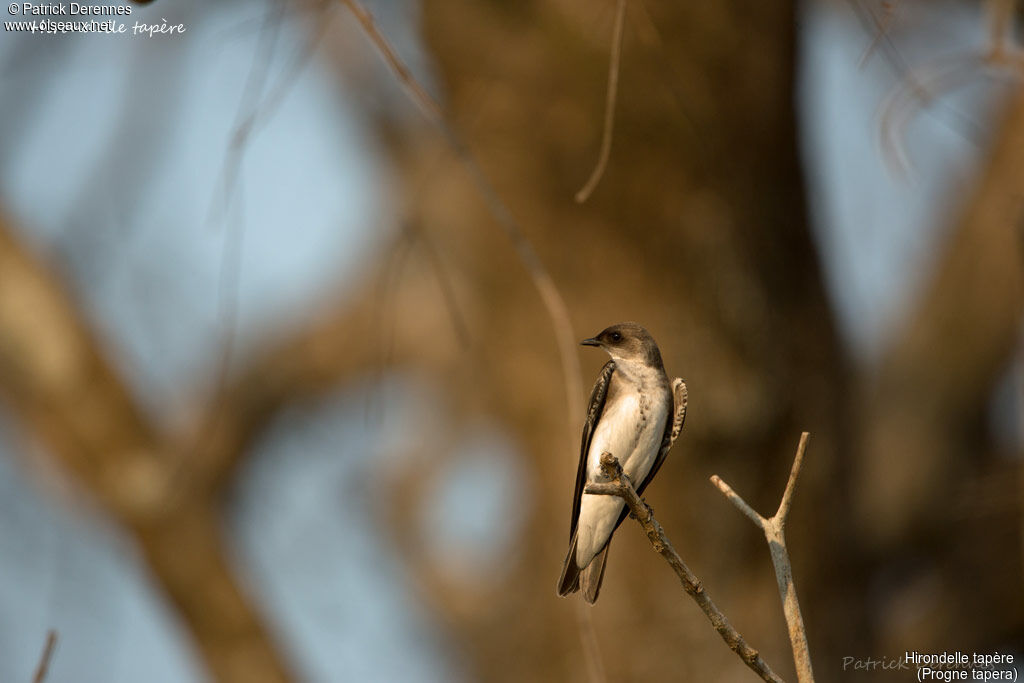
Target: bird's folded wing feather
x=597, y=398
x=672, y=429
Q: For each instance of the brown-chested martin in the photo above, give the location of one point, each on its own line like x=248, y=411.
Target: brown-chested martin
x=634, y=414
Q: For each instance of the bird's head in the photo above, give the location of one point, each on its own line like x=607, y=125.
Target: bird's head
x=627, y=342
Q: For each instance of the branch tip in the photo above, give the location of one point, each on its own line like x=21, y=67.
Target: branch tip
x=787, y=496
x=46, y=657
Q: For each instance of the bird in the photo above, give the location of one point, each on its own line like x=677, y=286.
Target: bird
x=635, y=414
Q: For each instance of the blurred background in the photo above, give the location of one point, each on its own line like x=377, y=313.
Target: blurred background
x=280, y=401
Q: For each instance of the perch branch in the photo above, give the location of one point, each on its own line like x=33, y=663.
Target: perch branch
x=45, y=657
x=618, y=484
x=775, y=533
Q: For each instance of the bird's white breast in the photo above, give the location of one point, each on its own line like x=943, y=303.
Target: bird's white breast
x=631, y=429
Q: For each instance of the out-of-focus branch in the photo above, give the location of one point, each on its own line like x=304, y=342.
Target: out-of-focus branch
x=307, y=363
x=774, y=529
x=619, y=485
x=549, y=293
x=54, y=377
x=419, y=94
x=609, y=106
x=53, y=374
x=923, y=86
x=46, y=657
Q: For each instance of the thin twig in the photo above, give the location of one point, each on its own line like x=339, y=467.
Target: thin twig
x=46, y=657
x=419, y=94
x=775, y=533
x=229, y=281
x=255, y=111
x=619, y=485
x=963, y=125
x=882, y=25
x=551, y=297
x=609, y=106
x=787, y=496
x=939, y=77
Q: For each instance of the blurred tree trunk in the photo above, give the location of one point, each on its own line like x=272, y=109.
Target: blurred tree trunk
x=699, y=231
x=938, y=502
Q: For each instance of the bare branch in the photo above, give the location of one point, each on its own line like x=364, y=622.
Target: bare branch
x=609, y=106
x=419, y=94
x=619, y=485
x=740, y=504
x=46, y=657
x=774, y=532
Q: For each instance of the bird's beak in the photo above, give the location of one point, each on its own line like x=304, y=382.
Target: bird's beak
x=590, y=342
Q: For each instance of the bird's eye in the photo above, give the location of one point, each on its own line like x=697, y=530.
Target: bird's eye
x=615, y=337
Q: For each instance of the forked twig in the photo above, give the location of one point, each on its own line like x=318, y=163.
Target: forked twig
x=609, y=106
x=618, y=484
x=775, y=533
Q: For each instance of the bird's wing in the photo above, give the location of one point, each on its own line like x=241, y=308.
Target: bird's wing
x=597, y=397
x=672, y=429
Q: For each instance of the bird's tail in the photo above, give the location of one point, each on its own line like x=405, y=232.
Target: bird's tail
x=589, y=577
x=592, y=576
x=570, y=579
